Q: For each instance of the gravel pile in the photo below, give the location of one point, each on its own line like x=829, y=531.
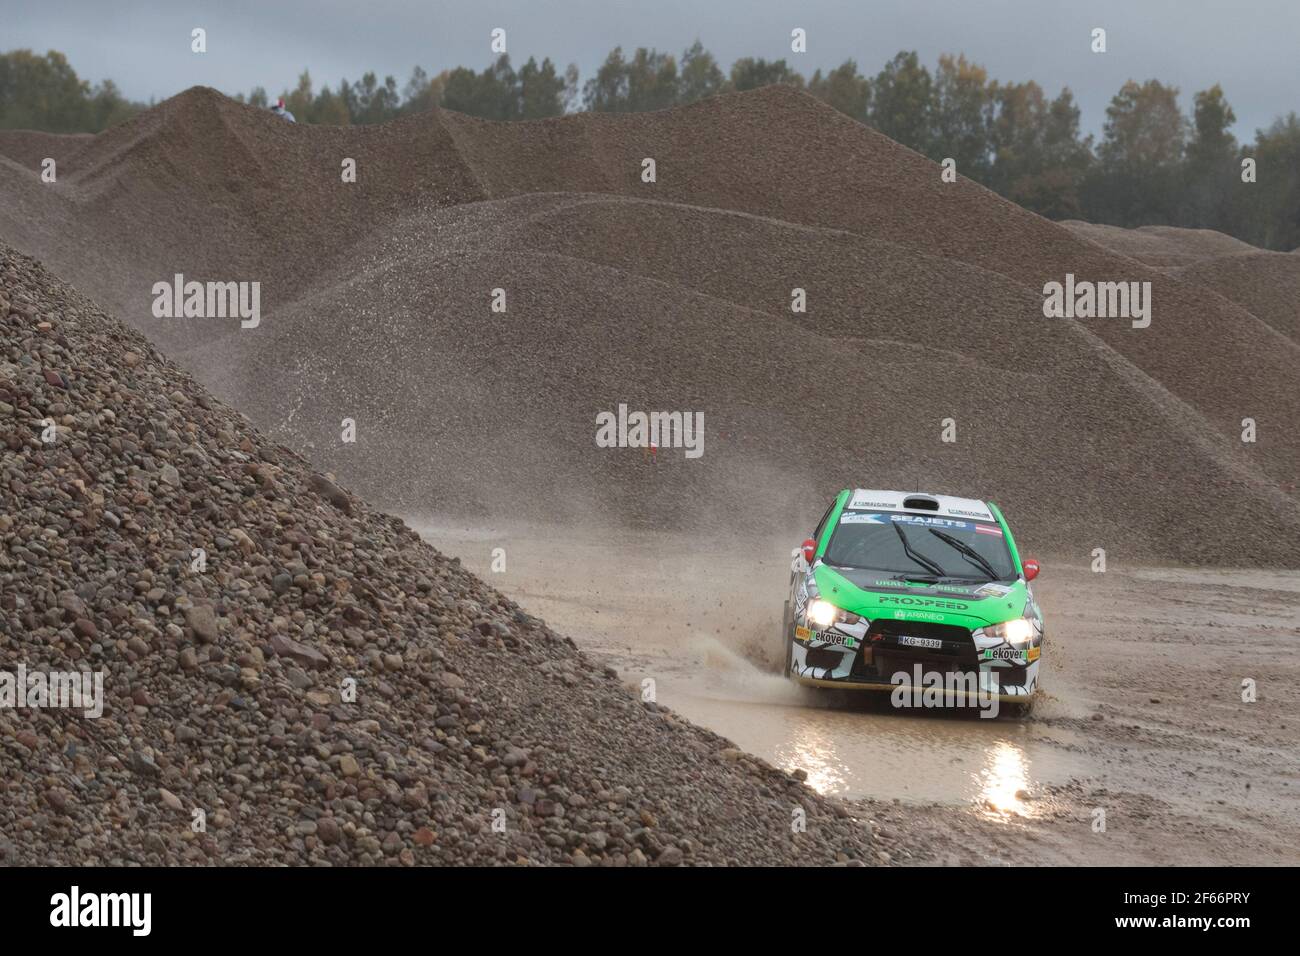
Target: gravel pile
x=1163, y=246
x=477, y=735
x=924, y=304
x=30, y=148
x=1267, y=284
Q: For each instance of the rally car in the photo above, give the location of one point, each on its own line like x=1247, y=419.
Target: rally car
x=894, y=586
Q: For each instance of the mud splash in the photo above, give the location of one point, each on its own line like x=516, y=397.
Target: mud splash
x=702, y=627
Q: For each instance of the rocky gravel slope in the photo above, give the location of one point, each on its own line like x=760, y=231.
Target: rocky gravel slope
x=477, y=735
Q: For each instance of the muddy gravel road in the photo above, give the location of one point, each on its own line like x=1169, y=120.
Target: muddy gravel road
x=1140, y=750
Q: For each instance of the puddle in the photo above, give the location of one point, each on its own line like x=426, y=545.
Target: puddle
x=855, y=752
x=656, y=607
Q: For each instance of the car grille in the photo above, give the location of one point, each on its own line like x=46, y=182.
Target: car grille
x=955, y=639
x=887, y=656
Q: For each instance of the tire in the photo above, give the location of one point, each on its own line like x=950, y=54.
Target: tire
x=1022, y=711
x=787, y=640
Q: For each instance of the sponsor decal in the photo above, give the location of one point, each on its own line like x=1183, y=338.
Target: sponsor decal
x=924, y=602
x=861, y=517
x=927, y=520
x=988, y=529
x=968, y=514
x=802, y=633
x=834, y=637
x=943, y=588
x=905, y=615
x=860, y=501
x=1004, y=654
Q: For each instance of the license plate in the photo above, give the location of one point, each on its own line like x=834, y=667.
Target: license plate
x=931, y=643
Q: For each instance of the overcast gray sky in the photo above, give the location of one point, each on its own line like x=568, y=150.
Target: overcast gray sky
x=1250, y=47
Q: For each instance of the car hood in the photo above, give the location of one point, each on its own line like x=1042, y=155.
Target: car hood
x=873, y=594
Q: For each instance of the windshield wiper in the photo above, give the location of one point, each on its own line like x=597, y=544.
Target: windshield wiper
x=967, y=552
x=922, y=561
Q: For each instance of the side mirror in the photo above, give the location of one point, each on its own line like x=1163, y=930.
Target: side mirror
x=1031, y=568
x=809, y=549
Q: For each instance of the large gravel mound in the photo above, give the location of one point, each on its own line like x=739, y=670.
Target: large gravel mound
x=1164, y=246
x=1265, y=283
x=924, y=304
x=32, y=147
x=224, y=686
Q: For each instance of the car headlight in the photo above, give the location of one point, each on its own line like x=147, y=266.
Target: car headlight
x=824, y=614
x=1017, y=631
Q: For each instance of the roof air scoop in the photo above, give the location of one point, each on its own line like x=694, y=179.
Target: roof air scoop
x=921, y=503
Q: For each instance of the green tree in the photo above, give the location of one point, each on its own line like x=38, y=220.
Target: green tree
x=542, y=91
x=492, y=94
x=845, y=89
x=1268, y=210
x=421, y=93
x=606, y=92
x=749, y=73
x=368, y=101
x=1211, y=172
x=300, y=101
x=699, y=76
x=652, y=80
x=1066, y=159
x=902, y=102
x=329, y=109
x=1143, y=127
x=1039, y=159
x=1141, y=156
x=962, y=116
x=646, y=82
x=45, y=93
x=1016, y=133
x=108, y=107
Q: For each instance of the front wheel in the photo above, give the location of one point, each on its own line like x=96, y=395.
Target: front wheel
x=1021, y=711
x=787, y=641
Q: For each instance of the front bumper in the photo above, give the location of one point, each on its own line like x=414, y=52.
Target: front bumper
x=883, y=654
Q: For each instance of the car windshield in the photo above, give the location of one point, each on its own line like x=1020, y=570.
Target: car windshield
x=928, y=547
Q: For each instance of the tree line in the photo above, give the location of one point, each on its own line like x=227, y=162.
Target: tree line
x=1153, y=164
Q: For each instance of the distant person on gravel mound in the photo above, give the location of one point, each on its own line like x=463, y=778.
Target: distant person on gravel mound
x=279, y=110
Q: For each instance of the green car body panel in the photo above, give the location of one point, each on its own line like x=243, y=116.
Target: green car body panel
x=946, y=601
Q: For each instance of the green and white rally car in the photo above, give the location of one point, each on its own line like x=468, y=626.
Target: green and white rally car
x=894, y=583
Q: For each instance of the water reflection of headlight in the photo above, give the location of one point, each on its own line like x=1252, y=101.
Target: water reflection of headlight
x=815, y=754
x=1006, y=775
